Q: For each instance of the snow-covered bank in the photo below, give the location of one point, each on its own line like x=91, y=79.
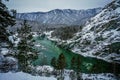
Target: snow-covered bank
x=49, y=36
x=22, y=76
x=101, y=76
x=26, y=76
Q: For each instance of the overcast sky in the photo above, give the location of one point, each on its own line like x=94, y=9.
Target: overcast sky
x=47, y=5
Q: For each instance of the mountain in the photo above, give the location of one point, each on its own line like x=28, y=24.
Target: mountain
x=58, y=16
x=100, y=37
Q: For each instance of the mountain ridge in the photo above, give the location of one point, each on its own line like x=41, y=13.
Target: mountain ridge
x=60, y=16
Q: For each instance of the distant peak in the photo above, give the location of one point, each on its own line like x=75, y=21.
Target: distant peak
x=60, y=10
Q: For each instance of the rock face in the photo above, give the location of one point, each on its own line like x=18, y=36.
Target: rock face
x=100, y=37
x=57, y=16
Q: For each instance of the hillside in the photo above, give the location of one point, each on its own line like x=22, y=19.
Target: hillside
x=58, y=16
x=100, y=37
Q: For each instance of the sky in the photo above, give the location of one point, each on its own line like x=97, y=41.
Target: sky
x=47, y=5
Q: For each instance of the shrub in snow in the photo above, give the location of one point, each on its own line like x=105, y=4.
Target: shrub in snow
x=7, y=64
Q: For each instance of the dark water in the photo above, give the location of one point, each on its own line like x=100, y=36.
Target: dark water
x=88, y=65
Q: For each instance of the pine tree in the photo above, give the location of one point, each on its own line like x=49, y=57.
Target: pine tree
x=5, y=20
x=78, y=64
x=53, y=62
x=73, y=63
x=61, y=63
x=26, y=53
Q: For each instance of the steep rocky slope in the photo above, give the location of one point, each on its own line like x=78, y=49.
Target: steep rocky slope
x=100, y=37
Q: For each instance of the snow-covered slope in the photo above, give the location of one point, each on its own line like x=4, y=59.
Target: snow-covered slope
x=100, y=37
x=22, y=76
x=58, y=16
x=25, y=76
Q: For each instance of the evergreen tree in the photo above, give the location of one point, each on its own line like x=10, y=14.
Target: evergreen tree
x=6, y=19
x=73, y=63
x=26, y=53
x=61, y=63
x=94, y=68
x=78, y=64
x=53, y=62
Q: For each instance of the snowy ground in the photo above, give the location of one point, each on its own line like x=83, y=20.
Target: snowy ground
x=67, y=75
x=26, y=76
x=22, y=76
x=49, y=36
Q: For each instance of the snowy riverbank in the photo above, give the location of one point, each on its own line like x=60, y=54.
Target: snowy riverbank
x=26, y=76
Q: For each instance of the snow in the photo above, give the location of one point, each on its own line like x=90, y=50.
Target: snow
x=76, y=50
x=14, y=39
x=22, y=76
x=17, y=41
x=39, y=46
x=101, y=76
x=49, y=36
x=26, y=76
x=44, y=68
x=35, y=34
x=11, y=59
x=49, y=69
x=4, y=51
x=117, y=2
x=48, y=33
x=11, y=39
x=118, y=10
x=115, y=56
